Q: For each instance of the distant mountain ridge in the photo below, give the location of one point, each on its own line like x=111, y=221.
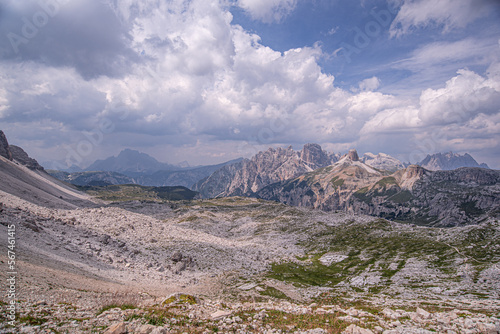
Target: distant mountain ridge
x=185, y=177
x=131, y=163
x=449, y=161
x=250, y=175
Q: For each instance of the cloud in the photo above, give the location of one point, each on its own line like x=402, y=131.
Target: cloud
x=369, y=84
x=461, y=116
x=268, y=11
x=181, y=76
x=197, y=75
x=80, y=34
x=446, y=53
x=461, y=99
x=447, y=14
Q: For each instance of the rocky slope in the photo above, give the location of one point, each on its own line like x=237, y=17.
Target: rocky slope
x=38, y=187
x=444, y=198
x=274, y=165
x=19, y=155
x=441, y=198
x=22, y=176
x=449, y=161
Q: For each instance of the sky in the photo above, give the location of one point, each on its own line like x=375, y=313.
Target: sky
x=207, y=81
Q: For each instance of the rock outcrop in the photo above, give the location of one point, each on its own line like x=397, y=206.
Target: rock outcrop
x=4, y=147
x=314, y=156
x=19, y=155
x=353, y=155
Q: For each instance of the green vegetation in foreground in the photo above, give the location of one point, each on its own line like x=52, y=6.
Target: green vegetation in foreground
x=128, y=192
x=377, y=247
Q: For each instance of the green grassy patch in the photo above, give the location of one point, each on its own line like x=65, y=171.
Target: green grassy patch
x=112, y=306
x=337, y=182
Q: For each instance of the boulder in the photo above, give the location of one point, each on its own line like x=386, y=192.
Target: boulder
x=176, y=257
x=117, y=328
x=220, y=315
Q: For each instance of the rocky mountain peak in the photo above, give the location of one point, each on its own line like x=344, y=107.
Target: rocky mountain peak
x=313, y=155
x=353, y=155
x=4, y=146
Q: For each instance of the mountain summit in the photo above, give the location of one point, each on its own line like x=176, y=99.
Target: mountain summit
x=130, y=162
x=449, y=161
x=353, y=155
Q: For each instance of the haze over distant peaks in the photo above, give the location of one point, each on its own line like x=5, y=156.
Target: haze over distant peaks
x=130, y=161
x=449, y=161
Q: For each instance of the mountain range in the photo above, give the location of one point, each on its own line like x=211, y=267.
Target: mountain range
x=377, y=185
x=250, y=175
x=247, y=175
x=413, y=194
